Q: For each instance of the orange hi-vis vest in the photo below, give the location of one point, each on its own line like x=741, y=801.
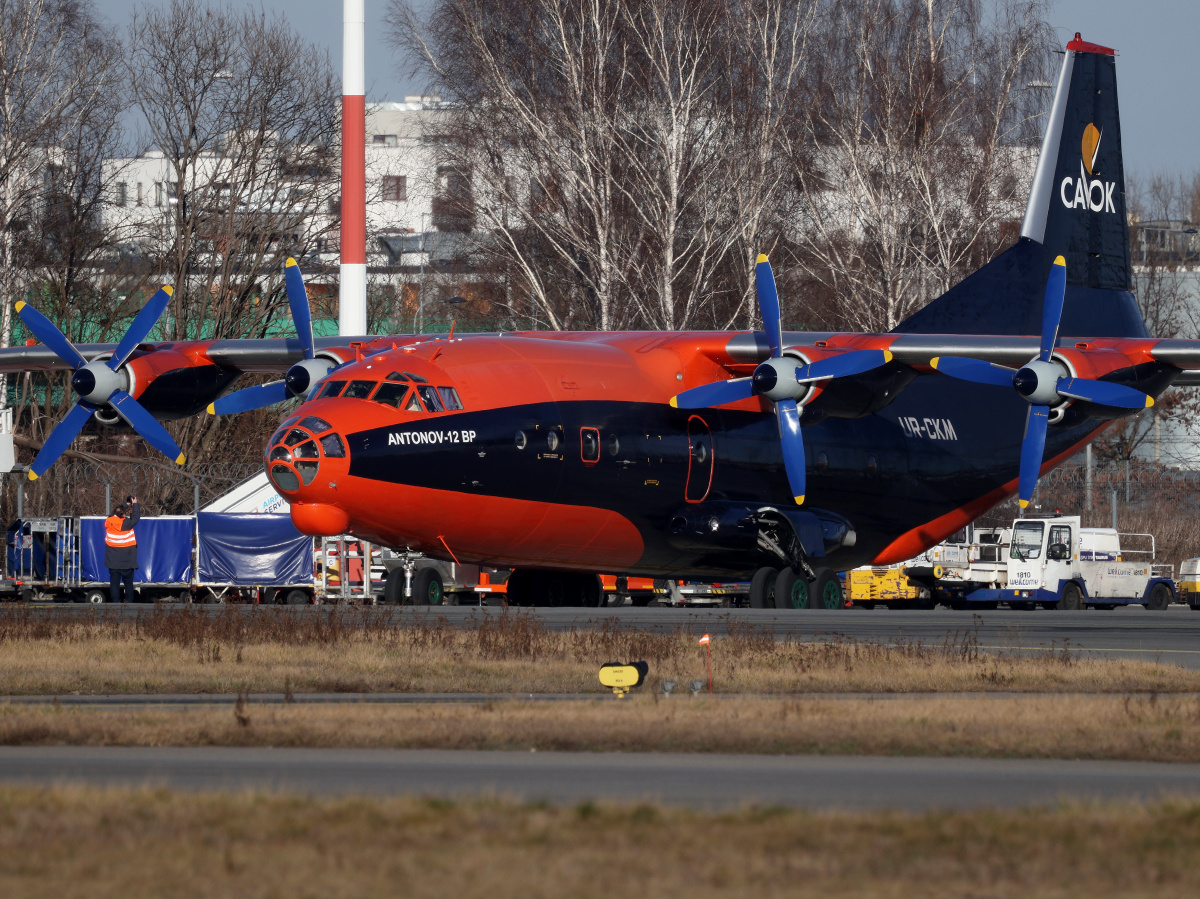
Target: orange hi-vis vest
x=114, y=536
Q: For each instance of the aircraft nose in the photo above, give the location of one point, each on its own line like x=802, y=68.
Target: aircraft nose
x=298, y=452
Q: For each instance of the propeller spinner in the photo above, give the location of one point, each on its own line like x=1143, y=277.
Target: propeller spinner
x=301, y=377
x=99, y=384
x=1043, y=382
x=783, y=380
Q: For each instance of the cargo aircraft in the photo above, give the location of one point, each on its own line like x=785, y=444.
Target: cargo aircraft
x=777, y=456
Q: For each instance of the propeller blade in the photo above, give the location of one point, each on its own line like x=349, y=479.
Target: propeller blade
x=1052, y=307
x=49, y=334
x=768, y=305
x=143, y=323
x=717, y=393
x=146, y=425
x=298, y=302
x=250, y=398
x=1104, y=392
x=974, y=370
x=843, y=366
x=1032, y=447
x=788, y=415
x=60, y=438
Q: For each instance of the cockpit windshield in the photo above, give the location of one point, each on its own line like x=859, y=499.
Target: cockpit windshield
x=1027, y=540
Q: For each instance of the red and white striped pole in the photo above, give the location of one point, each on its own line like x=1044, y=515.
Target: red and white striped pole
x=352, y=290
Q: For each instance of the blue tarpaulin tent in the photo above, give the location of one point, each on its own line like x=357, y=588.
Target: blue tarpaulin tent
x=251, y=549
x=164, y=549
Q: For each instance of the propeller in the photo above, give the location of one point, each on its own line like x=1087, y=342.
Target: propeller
x=99, y=384
x=300, y=378
x=781, y=379
x=1043, y=382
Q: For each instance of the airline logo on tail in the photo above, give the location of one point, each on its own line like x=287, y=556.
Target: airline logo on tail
x=1088, y=193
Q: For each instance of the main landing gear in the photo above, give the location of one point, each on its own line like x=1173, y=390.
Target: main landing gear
x=792, y=589
x=530, y=587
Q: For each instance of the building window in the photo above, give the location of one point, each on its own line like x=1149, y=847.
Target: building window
x=160, y=193
x=139, y=193
x=121, y=198
x=385, y=140
x=395, y=187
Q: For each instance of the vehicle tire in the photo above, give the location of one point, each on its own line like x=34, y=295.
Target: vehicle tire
x=641, y=600
x=1022, y=606
x=791, y=590
x=1071, y=599
x=427, y=587
x=95, y=597
x=826, y=591
x=762, y=588
x=1103, y=606
x=1159, y=598
x=298, y=598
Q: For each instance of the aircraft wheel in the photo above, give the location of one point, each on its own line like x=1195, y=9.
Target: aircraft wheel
x=393, y=587
x=427, y=587
x=1159, y=599
x=519, y=588
x=762, y=588
x=791, y=590
x=1071, y=599
x=591, y=591
x=826, y=591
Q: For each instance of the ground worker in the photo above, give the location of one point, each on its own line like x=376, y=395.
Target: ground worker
x=120, y=548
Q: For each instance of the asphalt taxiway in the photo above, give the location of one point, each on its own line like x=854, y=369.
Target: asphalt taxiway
x=700, y=781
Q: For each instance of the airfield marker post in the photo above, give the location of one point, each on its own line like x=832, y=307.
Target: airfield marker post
x=705, y=642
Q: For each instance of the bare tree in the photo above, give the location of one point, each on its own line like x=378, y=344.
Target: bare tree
x=243, y=116
x=918, y=151
x=57, y=72
x=624, y=167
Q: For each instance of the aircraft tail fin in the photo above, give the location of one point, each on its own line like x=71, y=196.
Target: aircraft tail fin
x=1076, y=209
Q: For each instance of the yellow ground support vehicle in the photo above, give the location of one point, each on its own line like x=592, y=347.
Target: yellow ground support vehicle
x=867, y=586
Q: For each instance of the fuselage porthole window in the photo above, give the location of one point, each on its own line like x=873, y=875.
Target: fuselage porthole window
x=589, y=444
x=521, y=441
x=872, y=466
x=822, y=462
x=614, y=445
x=552, y=441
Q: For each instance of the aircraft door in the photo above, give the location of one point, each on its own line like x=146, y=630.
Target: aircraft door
x=700, y=460
x=1060, y=550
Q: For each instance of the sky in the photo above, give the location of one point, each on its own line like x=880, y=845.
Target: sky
x=1159, y=88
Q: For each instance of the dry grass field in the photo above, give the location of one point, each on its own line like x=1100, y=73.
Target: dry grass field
x=75, y=842
x=1147, y=728
x=185, y=650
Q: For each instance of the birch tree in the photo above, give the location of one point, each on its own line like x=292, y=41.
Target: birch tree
x=56, y=68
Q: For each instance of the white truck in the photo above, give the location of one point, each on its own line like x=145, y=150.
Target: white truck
x=975, y=558
x=1056, y=563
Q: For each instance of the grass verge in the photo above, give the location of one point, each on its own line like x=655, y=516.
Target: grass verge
x=68, y=842
x=1146, y=728
x=184, y=650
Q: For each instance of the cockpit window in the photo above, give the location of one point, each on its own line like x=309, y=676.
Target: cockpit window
x=294, y=437
x=433, y=402
x=390, y=394
x=413, y=404
x=359, y=390
x=331, y=388
x=306, y=450
x=450, y=398
x=316, y=425
x=397, y=376
x=417, y=378
x=332, y=445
